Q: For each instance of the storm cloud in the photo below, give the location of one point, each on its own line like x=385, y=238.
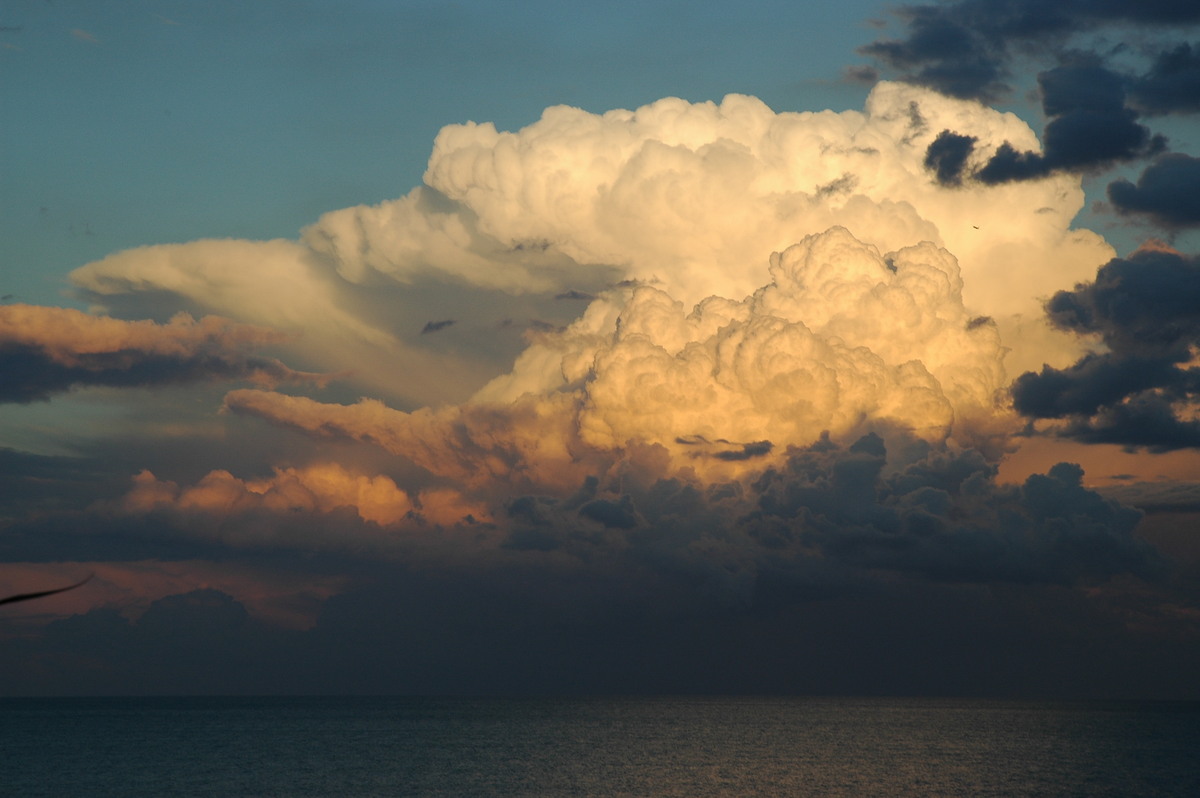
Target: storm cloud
x=1166, y=193
x=966, y=48
x=1142, y=391
x=1089, y=128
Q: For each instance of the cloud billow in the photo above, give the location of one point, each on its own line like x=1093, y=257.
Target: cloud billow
x=1165, y=194
x=1143, y=389
x=1089, y=128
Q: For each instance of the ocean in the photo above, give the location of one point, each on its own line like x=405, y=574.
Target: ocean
x=660, y=746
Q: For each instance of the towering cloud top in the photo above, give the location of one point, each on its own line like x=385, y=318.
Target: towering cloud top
x=691, y=198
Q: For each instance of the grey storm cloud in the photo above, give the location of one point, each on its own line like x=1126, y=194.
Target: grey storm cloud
x=629, y=583
x=1146, y=309
x=947, y=157
x=829, y=510
x=1167, y=193
x=1093, y=108
x=964, y=48
x=1171, y=85
x=1090, y=127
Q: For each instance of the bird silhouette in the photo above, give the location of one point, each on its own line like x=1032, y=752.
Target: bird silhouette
x=40, y=593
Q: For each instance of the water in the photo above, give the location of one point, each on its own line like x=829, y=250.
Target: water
x=595, y=747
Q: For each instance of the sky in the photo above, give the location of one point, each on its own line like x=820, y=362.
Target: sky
x=656, y=347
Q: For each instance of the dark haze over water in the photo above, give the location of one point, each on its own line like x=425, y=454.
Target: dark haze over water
x=669, y=746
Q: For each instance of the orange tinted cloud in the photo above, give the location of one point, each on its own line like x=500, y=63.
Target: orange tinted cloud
x=316, y=488
x=44, y=350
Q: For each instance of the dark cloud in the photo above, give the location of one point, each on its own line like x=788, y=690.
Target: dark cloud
x=965, y=48
x=1158, y=497
x=434, y=326
x=42, y=483
x=726, y=450
x=947, y=156
x=746, y=452
x=1167, y=193
x=1148, y=419
x=1093, y=382
x=573, y=294
x=541, y=623
x=846, y=569
x=1172, y=84
x=946, y=52
x=831, y=512
x=1146, y=310
x=1089, y=128
x=945, y=519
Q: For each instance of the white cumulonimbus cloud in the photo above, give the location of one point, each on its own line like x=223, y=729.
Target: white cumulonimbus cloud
x=689, y=197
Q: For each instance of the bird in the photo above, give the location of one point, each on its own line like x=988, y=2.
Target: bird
x=41, y=593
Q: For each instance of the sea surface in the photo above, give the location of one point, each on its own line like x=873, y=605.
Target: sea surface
x=668, y=746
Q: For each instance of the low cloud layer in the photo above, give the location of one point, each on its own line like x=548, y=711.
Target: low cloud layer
x=44, y=351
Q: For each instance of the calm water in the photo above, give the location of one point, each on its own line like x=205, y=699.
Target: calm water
x=633, y=747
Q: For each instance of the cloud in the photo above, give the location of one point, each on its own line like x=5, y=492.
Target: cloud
x=842, y=339
x=947, y=157
x=1172, y=84
x=316, y=488
x=1089, y=128
x=686, y=197
x=965, y=48
x=279, y=284
x=766, y=388
x=1143, y=390
x=1165, y=193
x=943, y=517
x=46, y=350
x=434, y=326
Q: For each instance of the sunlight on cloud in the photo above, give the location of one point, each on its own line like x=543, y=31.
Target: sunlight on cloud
x=689, y=197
